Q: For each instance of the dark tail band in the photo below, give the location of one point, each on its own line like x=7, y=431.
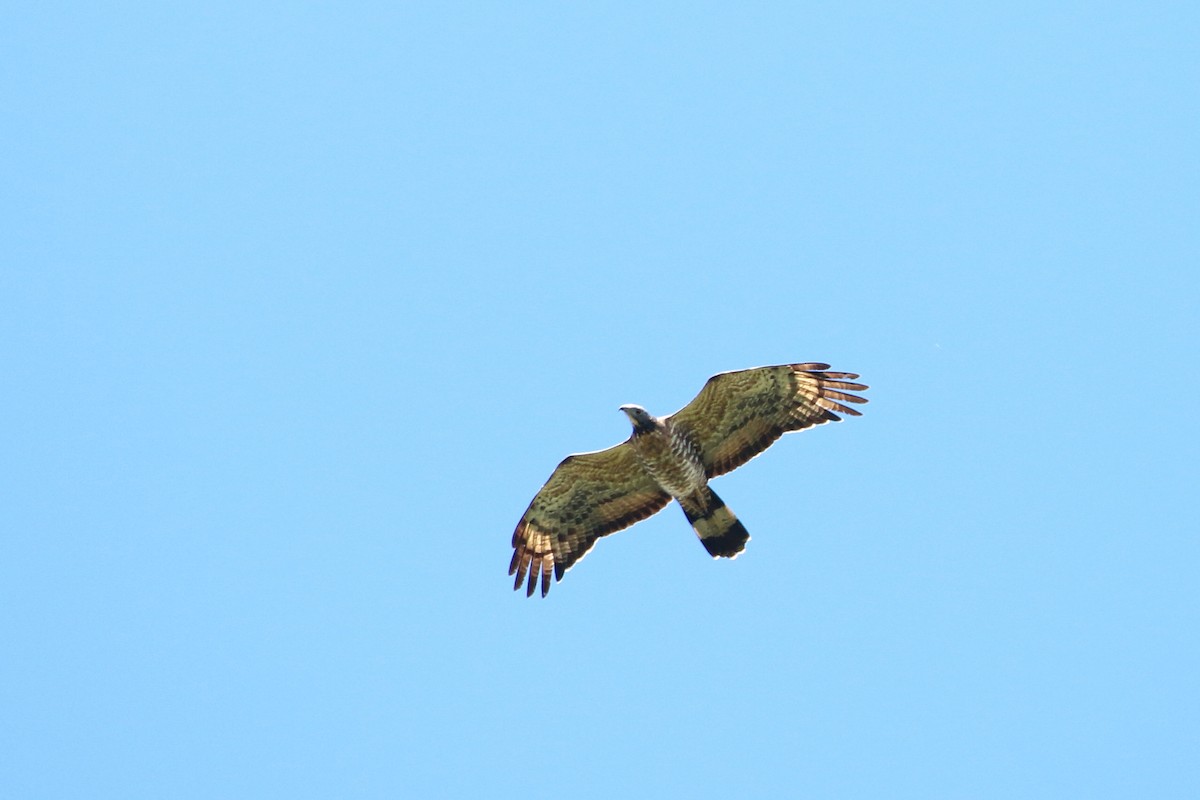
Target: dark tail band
x=722, y=535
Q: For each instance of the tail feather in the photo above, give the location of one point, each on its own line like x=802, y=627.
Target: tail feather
x=722, y=535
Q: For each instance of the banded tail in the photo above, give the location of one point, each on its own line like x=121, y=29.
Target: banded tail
x=722, y=535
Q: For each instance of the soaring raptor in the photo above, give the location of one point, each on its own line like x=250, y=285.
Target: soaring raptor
x=735, y=417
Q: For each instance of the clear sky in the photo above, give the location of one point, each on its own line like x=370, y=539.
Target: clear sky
x=302, y=303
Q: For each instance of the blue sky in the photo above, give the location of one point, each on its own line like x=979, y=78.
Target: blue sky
x=302, y=303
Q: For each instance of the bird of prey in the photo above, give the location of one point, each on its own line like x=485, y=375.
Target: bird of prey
x=735, y=417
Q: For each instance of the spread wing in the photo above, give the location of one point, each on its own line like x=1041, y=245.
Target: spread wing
x=589, y=495
x=739, y=414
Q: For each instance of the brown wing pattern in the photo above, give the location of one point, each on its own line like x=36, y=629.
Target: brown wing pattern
x=737, y=415
x=588, y=496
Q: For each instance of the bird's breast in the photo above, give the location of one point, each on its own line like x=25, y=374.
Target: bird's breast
x=672, y=460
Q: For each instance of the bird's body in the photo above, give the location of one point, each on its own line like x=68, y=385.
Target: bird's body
x=669, y=454
x=736, y=416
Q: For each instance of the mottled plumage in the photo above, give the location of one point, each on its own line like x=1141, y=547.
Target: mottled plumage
x=735, y=417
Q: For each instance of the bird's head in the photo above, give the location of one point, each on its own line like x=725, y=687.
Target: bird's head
x=642, y=419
